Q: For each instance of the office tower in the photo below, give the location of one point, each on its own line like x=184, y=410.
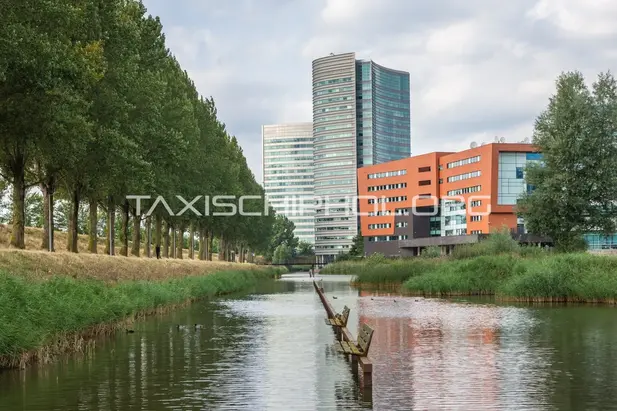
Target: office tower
x=287, y=153
x=361, y=116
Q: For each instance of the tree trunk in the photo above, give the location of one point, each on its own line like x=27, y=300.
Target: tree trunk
x=124, y=235
x=221, y=249
x=18, y=239
x=210, y=245
x=191, y=241
x=166, y=245
x=158, y=222
x=148, y=239
x=94, y=219
x=111, y=227
x=73, y=243
x=180, y=241
x=136, y=233
x=241, y=253
x=172, y=234
x=48, y=218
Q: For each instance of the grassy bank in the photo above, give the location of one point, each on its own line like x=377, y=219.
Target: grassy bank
x=496, y=267
x=45, y=313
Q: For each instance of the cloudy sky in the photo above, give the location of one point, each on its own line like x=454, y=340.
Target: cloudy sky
x=479, y=68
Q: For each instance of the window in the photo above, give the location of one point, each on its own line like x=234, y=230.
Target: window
x=476, y=218
x=379, y=226
x=465, y=190
x=441, y=181
x=424, y=169
x=424, y=183
x=465, y=176
x=388, y=200
x=387, y=174
x=387, y=187
x=476, y=231
x=476, y=203
x=402, y=224
x=519, y=173
x=464, y=161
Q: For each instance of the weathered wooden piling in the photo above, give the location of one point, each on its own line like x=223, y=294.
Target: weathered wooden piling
x=360, y=363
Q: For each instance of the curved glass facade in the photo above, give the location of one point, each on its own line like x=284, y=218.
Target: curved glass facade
x=361, y=116
x=384, y=114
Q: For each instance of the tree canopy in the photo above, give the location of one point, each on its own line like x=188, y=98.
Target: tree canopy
x=94, y=107
x=575, y=186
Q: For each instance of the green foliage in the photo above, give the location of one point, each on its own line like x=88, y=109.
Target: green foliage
x=357, y=247
x=498, y=242
x=305, y=248
x=282, y=254
x=94, y=107
x=282, y=234
x=576, y=184
x=33, y=314
x=432, y=251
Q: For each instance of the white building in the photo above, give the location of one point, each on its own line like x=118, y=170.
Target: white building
x=287, y=161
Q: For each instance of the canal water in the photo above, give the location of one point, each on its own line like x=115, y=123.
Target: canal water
x=271, y=350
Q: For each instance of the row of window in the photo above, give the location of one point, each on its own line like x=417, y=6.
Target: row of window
x=459, y=191
x=332, y=219
x=398, y=211
x=386, y=238
x=333, y=136
x=334, y=173
x=379, y=226
x=465, y=176
x=476, y=218
x=396, y=199
x=387, y=187
x=464, y=161
x=387, y=174
x=401, y=224
x=333, y=127
x=476, y=203
x=334, y=228
x=333, y=182
x=333, y=81
x=334, y=237
x=288, y=140
x=333, y=90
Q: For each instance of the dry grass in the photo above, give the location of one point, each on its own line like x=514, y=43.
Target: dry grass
x=42, y=264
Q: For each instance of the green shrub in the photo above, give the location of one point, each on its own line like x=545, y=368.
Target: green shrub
x=432, y=251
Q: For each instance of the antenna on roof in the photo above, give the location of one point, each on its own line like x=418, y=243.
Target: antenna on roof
x=473, y=144
x=502, y=139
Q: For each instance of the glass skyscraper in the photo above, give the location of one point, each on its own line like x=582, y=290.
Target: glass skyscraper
x=288, y=174
x=361, y=116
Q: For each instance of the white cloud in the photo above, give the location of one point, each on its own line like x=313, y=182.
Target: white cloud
x=477, y=69
x=579, y=17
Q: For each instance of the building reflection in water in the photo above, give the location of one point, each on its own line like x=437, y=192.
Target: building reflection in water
x=430, y=353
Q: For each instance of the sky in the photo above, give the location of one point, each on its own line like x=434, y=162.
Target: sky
x=479, y=69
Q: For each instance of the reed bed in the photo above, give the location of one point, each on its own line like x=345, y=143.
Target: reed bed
x=497, y=267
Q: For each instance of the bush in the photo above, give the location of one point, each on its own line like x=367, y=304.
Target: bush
x=432, y=251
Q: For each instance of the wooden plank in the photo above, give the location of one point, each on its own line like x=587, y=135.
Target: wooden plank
x=364, y=337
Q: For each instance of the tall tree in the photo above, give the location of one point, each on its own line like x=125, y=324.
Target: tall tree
x=575, y=186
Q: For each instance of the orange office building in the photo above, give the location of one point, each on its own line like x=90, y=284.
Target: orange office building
x=442, y=199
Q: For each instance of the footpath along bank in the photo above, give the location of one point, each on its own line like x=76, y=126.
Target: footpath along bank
x=56, y=303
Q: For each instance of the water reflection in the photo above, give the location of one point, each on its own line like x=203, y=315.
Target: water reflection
x=272, y=351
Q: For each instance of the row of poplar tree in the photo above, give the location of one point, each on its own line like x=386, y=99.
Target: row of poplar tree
x=94, y=107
